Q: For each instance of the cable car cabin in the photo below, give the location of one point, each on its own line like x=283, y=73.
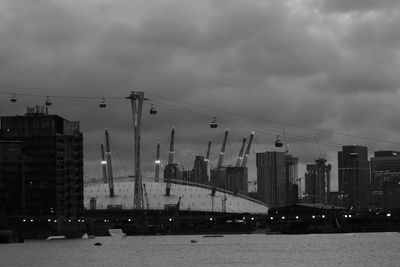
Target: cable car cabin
x=103, y=103
x=13, y=99
x=153, y=110
x=48, y=102
x=278, y=142
x=214, y=123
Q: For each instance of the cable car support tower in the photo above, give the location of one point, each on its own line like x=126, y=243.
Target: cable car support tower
x=137, y=99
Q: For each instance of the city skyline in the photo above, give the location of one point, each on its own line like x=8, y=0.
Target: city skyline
x=326, y=65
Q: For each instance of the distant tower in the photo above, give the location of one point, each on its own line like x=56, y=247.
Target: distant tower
x=137, y=99
x=385, y=180
x=271, y=178
x=354, y=176
x=276, y=173
x=317, y=181
x=200, y=170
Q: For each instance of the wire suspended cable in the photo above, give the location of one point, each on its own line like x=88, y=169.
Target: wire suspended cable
x=12, y=89
x=277, y=122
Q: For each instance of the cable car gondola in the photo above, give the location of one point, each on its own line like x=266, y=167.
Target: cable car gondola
x=278, y=142
x=153, y=110
x=13, y=99
x=214, y=123
x=48, y=102
x=103, y=103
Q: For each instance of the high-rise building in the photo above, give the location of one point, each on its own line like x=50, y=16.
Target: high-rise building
x=291, y=174
x=231, y=178
x=354, y=177
x=385, y=180
x=200, y=170
x=317, y=181
x=276, y=178
x=41, y=165
x=172, y=172
x=237, y=179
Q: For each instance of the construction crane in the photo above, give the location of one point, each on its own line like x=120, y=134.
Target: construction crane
x=208, y=151
x=319, y=148
x=109, y=166
x=220, y=159
x=239, y=160
x=146, y=196
x=157, y=162
x=170, y=161
x=103, y=163
x=246, y=155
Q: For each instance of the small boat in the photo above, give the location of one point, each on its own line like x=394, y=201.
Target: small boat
x=116, y=233
x=98, y=244
x=193, y=241
x=56, y=237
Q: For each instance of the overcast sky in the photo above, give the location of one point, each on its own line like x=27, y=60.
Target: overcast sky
x=325, y=70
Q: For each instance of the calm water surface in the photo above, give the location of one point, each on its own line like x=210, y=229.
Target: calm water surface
x=366, y=249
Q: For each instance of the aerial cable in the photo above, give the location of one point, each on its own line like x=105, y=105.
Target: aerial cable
x=278, y=122
x=190, y=112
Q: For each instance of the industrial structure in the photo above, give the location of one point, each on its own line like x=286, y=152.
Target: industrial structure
x=191, y=189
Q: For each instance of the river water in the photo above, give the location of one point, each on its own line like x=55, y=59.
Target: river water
x=358, y=249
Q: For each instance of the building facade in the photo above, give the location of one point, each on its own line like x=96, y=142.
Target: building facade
x=385, y=180
x=276, y=178
x=354, y=177
x=317, y=181
x=41, y=165
x=200, y=170
x=291, y=175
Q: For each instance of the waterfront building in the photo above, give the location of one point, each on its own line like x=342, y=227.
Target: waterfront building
x=41, y=165
x=385, y=180
x=317, y=181
x=276, y=178
x=354, y=177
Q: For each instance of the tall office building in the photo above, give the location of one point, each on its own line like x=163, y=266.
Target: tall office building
x=231, y=178
x=200, y=170
x=385, y=180
x=354, y=177
x=237, y=179
x=291, y=174
x=317, y=181
x=41, y=165
x=276, y=178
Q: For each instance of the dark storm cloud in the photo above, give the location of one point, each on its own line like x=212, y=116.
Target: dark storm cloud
x=329, y=65
x=357, y=5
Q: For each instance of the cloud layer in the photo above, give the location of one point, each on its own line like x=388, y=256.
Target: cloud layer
x=316, y=64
